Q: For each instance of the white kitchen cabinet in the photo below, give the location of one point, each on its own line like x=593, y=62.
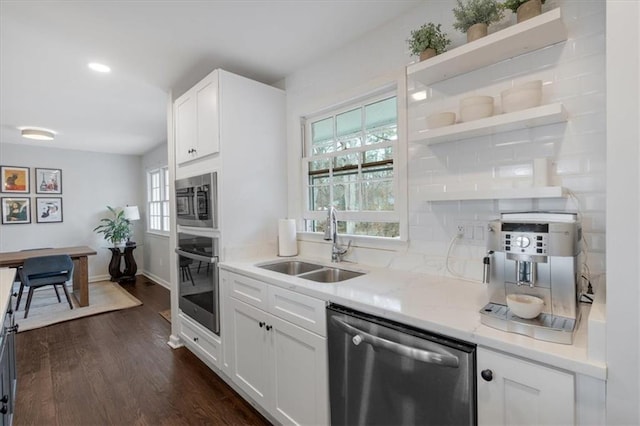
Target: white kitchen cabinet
x=197, y=120
x=512, y=391
x=280, y=364
x=201, y=341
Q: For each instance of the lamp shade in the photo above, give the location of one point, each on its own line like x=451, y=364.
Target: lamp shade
x=131, y=213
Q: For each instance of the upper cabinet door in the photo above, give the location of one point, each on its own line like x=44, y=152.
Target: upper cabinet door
x=185, y=126
x=196, y=120
x=208, y=124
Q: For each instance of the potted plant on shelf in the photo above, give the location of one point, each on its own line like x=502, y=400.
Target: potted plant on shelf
x=524, y=9
x=116, y=229
x=428, y=41
x=474, y=17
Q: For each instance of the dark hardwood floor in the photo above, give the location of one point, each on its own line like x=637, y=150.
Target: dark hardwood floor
x=117, y=369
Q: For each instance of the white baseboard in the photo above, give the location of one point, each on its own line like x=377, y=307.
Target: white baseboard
x=157, y=279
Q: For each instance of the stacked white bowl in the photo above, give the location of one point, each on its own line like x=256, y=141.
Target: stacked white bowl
x=523, y=96
x=441, y=119
x=475, y=107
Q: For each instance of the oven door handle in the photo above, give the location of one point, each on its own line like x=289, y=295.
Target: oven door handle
x=430, y=357
x=197, y=256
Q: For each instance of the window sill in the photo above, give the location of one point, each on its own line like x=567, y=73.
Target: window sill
x=392, y=244
x=158, y=234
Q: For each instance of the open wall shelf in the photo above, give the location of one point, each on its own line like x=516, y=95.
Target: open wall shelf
x=532, y=117
x=532, y=34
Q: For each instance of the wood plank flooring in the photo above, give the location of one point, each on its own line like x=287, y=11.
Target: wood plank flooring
x=117, y=369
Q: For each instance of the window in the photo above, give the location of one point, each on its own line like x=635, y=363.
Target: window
x=349, y=163
x=158, y=200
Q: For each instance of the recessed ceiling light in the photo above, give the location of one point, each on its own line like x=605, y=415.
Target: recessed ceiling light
x=37, y=134
x=99, y=67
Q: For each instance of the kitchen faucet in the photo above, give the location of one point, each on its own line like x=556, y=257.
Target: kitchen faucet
x=331, y=234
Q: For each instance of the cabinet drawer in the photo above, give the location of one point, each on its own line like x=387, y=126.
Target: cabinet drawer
x=202, y=340
x=248, y=290
x=299, y=309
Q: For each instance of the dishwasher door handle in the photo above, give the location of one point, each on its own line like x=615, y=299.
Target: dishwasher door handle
x=445, y=360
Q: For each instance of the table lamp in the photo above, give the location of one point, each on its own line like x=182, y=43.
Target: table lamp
x=131, y=213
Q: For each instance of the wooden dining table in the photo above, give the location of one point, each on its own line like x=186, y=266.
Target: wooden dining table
x=78, y=254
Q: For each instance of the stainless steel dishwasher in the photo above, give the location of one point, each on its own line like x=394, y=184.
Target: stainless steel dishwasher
x=385, y=373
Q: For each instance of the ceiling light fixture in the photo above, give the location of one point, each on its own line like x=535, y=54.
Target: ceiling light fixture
x=99, y=67
x=38, y=134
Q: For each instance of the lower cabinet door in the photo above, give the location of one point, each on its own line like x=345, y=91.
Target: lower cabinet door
x=512, y=391
x=250, y=364
x=300, y=388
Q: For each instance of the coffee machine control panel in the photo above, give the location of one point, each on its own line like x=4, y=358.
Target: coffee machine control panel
x=525, y=238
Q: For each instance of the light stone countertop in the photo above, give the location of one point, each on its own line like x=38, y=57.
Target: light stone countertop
x=438, y=304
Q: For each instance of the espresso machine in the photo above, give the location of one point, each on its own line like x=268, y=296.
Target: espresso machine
x=536, y=254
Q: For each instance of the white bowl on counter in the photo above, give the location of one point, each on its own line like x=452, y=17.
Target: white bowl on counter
x=523, y=96
x=524, y=305
x=476, y=107
x=441, y=119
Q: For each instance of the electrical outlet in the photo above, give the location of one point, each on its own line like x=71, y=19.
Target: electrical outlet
x=460, y=230
x=468, y=231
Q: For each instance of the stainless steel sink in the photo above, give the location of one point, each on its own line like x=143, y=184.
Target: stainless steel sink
x=331, y=275
x=311, y=271
x=291, y=267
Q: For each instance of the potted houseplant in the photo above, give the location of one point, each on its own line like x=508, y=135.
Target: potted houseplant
x=524, y=9
x=428, y=41
x=474, y=16
x=116, y=229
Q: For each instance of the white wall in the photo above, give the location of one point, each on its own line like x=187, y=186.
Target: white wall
x=156, y=246
x=623, y=213
x=90, y=182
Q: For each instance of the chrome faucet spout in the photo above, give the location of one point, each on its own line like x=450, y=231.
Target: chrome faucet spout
x=331, y=234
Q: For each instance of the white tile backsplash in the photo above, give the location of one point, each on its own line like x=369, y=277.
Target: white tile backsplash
x=573, y=73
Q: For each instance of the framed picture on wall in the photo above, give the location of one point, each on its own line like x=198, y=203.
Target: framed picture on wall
x=15, y=210
x=14, y=179
x=48, y=181
x=48, y=210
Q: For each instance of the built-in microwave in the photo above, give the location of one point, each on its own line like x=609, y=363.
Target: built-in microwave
x=196, y=201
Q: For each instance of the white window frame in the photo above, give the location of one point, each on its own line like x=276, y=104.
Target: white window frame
x=165, y=199
x=399, y=164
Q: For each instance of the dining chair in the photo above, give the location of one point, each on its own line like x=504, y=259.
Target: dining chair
x=18, y=280
x=42, y=271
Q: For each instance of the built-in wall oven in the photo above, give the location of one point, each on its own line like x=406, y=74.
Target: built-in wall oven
x=198, y=281
x=385, y=373
x=196, y=201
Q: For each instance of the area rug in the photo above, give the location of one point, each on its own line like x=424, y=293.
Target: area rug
x=104, y=296
x=166, y=314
